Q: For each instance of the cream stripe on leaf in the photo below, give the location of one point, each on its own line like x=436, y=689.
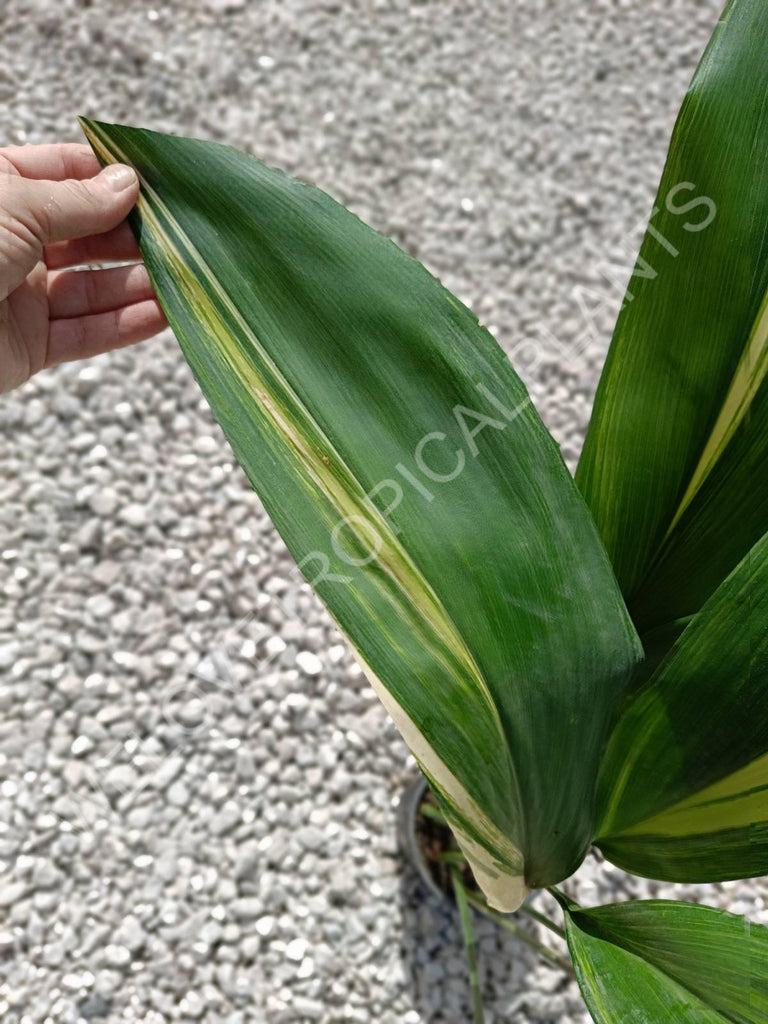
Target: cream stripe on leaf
x=725, y=510
x=747, y=381
x=736, y=801
x=684, y=783
x=399, y=456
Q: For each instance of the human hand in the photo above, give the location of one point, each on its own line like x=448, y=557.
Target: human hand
x=59, y=210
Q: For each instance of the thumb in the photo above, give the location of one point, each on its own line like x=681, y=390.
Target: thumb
x=75, y=209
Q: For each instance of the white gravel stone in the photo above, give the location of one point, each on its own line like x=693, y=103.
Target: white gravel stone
x=99, y=606
x=168, y=770
x=106, y=983
x=192, y=1006
x=295, y=950
x=134, y=515
x=247, y=908
x=309, y=663
x=81, y=745
x=8, y=654
x=120, y=779
x=311, y=838
x=11, y=893
x=104, y=502
x=206, y=445
x=117, y=956
x=131, y=934
x=265, y=925
x=177, y=794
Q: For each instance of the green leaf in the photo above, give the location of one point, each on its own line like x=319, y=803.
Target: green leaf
x=680, y=425
x=399, y=456
x=727, y=515
x=684, y=785
x=658, y=961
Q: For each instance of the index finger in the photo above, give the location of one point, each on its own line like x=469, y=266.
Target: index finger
x=53, y=162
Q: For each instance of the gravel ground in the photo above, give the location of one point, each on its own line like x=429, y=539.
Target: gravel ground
x=197, y=788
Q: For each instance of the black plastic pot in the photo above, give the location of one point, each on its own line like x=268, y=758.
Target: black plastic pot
x=408, y=840
x=407, y=813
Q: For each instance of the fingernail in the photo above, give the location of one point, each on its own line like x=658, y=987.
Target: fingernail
x=118, y=177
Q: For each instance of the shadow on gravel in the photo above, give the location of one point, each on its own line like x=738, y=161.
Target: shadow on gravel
x=433, y=955
x=518, y=988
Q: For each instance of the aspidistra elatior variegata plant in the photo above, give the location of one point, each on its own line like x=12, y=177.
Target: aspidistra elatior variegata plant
x=400, y=458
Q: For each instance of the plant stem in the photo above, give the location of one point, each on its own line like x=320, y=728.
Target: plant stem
x=521, y=933
x=558, y=894
x=465, y=900
x=543, y=919
x=452, y=857
x=430, y=811
x=468, y=934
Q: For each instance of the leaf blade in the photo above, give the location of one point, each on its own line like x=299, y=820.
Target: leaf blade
x=654, y=961
x=339, y=369
x=687, y=355
x=683, y=784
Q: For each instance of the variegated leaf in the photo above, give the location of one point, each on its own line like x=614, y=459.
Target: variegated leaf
x=662, y=962
x=673, y=466
x=400, y=458
x=684, y=784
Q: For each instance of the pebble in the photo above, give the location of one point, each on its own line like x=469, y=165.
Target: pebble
x=225, y=6
x=134, y=515
x=246, y=908
x=81, y=745
x=8, y=654
x=120, y=779
x=99, y=606
x=192, y=1006
x=223, y=822
x=307, y=1009
x=94, y=1008
x=46, y=876
x=131, y=934
x=309, y=663
x=177, y=794
x=245, y=765
x=206, y=445
x=169, y=769
x=11, y=893
x=311, y=838
x=104, y=502
x=296, y=949
x=211, y=933
x=117, y=956
x=107, y=983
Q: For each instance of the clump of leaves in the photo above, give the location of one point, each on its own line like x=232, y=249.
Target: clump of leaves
x=570, y=662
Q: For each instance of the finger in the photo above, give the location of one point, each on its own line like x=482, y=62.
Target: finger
x=113, y=246
x=83, y=292
x=85, y=336
x=53, y=163
x=59, y=210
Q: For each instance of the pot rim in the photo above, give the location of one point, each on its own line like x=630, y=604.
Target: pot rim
x=407, y=811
